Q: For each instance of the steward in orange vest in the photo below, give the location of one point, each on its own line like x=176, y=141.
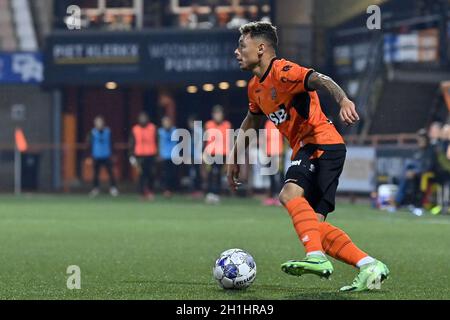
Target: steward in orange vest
x=143, y=151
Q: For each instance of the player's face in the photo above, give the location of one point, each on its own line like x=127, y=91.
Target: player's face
x=143, y=119
x=247, y=53
x=166, y=123
x=218, y=116
x=99, y=123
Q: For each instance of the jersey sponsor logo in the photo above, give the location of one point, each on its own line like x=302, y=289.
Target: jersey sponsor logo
x=311, y=168
x=279, y=116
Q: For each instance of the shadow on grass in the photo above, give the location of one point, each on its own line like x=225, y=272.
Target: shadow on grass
x=257, y=292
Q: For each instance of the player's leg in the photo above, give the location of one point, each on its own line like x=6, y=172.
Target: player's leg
x=95, y=190
x=295, y=196
x=142, y=175
x=335, y=242
x=112, y=181
x=340, y=246
x=306, y=225
x=150, y=164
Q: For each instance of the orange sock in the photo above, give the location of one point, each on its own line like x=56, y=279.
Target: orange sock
x=338, y=244
x=306, y=223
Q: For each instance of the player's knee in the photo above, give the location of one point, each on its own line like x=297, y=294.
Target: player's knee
x=290, y=191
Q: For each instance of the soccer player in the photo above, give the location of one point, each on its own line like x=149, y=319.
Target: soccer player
x=100, y=141
x=286, y=93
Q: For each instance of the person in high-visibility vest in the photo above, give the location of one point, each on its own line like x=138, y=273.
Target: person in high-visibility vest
x=143, y=151
x=217, y=145
x=100, y=140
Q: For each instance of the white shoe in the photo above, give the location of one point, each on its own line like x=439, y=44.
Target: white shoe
x=113, y=191
x=94, y=192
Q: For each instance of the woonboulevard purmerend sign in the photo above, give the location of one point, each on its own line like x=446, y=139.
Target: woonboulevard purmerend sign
x=144, y=57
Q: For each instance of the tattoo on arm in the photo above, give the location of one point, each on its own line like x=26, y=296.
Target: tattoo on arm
x=320, y=81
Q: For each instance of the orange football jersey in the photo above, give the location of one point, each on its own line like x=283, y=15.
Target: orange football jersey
x=283, y=96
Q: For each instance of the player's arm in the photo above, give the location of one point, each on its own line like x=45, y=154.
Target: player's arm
x=318, y=81
x=251, y=121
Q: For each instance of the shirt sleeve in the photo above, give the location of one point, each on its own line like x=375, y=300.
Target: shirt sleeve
x=294, y=78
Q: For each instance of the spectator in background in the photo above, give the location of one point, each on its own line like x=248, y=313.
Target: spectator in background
x=222, y=18
x=184, y=19
x=193, y=17
x=238, y=19
x=212, y=21
x=100, y=142
x=195, y=173
x=253, y=13
x=216, y=145
x=143, y=149
x=443, y=172
x=166, y=145
x=429, y=160
x=423, y=161
x=273, y=147
x=199, y=20
x=409, y=193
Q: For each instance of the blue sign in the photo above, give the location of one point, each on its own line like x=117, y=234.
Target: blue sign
x=147, y=57
x=21, y=68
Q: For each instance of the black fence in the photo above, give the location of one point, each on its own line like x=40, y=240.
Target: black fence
x=147, y=57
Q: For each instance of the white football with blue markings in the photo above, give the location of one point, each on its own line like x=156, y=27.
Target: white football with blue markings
x=235, y=269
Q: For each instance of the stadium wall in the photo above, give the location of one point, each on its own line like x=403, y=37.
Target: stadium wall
x=29, y=108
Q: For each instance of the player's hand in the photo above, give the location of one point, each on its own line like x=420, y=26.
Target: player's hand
x=233, y=176
x=348, y=112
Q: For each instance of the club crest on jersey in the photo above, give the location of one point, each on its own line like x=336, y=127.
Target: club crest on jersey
x=286, y=68
x=279, y=116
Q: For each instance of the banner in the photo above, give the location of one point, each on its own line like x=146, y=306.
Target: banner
x=21, y=68
x=391, y=162
x=359, y=170
x=147, y=57
x=367, y=167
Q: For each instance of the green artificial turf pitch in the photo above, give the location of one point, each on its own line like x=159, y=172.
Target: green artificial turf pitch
x=129, y=249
